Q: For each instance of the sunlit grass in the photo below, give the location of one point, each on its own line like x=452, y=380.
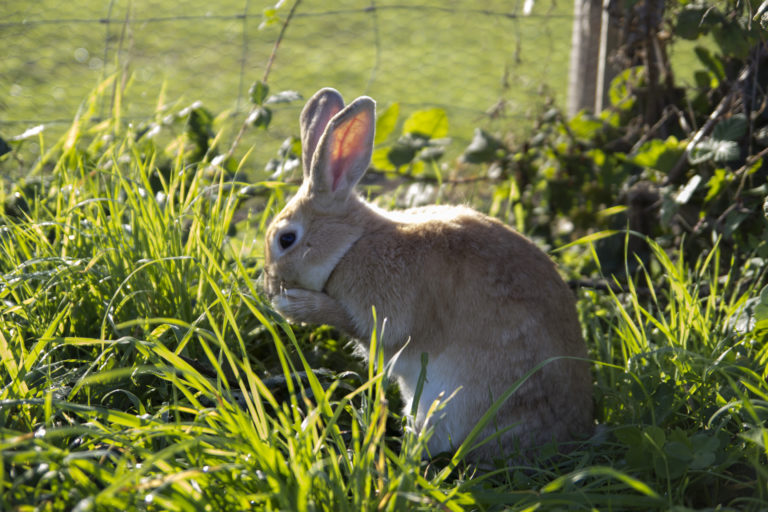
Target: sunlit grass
x=142, y=369
x=448, y=55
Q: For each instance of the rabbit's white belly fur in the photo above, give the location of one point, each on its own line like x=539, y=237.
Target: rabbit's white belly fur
x=450, y=425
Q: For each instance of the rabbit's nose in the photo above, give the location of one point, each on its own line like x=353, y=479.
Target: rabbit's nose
x=273, y=285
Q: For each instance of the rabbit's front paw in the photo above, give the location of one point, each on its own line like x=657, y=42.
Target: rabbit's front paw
x=299, y=305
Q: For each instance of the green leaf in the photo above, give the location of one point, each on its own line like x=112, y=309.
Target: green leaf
x=199, y=128
x=733, y=128
x=679, y=454
x=763, y=20
x=484, y=148
x=585, y=126
x=260, y=118
x=659, y=154
x=270, y=17
x=689, y=22
x=733, y=39
x=401, y=154
x=726, y=151
x=761, y=136
x=705, y=80
x=701, y=152
x=628, y=435
x=717, y=183
x=283, y=97
x=622, y=86
x=431, y=153
x=431, y=123
x=761, y=309
x=704, y=448
x=712, y=62
x=417, y=168
x=637, y=458
x=386, y=122
x=655, y=435
x=4, y=147
x=713, y=149
x=702, y=460
x=258, y=92
x=669, y=467
x=380, y=159
x=757, y=436
x=733, y=220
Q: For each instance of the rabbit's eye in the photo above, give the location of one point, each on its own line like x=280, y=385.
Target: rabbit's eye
x=286, y=239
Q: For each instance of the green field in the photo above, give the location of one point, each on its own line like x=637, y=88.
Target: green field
x=463, y=56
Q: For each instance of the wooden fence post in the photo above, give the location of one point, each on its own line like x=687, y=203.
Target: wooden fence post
x=595, y=35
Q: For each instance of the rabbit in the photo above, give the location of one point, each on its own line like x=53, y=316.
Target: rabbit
x=482, y=301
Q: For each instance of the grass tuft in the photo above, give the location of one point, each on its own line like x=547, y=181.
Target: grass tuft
x=142, y=369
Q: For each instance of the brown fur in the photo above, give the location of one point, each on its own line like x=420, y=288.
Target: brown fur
x=482, y=301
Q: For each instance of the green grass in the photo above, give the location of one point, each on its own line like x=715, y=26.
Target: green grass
x=432, y=54
x=143, y=370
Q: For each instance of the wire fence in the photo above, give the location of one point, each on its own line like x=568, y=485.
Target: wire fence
x=493, y=61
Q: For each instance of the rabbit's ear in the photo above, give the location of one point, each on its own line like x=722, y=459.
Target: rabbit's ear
x=345, y=150
x=315, y=116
